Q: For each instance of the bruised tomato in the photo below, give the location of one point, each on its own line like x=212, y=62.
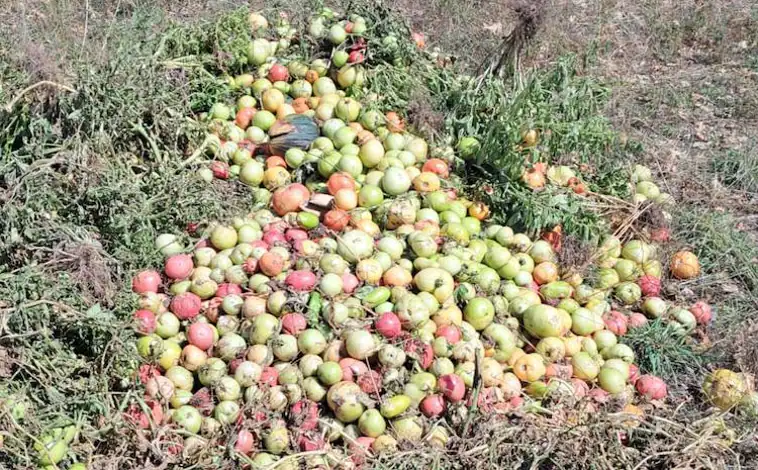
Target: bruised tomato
x=479, y=210
x=394, y=122
x=419, y=40
x=437, y=166
x=220, y=170
x=355, y=57
x=311, y=76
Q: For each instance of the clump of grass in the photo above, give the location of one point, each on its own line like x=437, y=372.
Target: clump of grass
x=729, y=282
x=720, y=247
x=660, y=351
x=738, y=170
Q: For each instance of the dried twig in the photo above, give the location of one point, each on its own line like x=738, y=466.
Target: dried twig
x=9, y=107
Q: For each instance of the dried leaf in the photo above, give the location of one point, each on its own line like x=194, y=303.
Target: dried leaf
x=701, y=133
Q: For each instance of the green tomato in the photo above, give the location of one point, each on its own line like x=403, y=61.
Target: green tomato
x=189, y=418
x=337, y=35
x=370, y=196
x=479, y=312
x=468, y=147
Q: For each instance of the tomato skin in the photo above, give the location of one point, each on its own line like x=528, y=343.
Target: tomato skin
x=419, y=40
x=479, y=211
x=355, y=57
x=394, y=122
x=220, y=170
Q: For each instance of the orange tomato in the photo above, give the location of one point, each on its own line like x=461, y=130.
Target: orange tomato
x=340, y=180
x=634, y=411
x=545, y=272
x=244, y=116
x=685, y=265
x=419, y=40
x=479, y=210
x=300, y=105
x=426, y=182
x=275, y=176
x=311, y=76
x=533, y=178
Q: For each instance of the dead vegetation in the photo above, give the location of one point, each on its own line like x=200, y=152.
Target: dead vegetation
x=581, y=439
x=91, y=268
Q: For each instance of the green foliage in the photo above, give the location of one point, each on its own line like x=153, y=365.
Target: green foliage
x=534, y=211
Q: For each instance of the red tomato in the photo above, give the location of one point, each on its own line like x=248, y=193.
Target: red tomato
x=278, y=73
x=336, y=219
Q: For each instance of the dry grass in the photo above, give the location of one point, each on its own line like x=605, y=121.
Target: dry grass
x=92, y=269
x=747, y=350
x=471, y=31
x=677, y=69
